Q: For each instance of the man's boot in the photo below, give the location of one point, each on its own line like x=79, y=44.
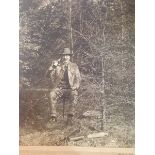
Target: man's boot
x=51, y=122
x=53, y=118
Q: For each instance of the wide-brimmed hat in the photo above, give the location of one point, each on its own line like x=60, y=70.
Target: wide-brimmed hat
x=66, y=52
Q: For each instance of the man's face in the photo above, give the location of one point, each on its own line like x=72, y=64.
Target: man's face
x=66, y=58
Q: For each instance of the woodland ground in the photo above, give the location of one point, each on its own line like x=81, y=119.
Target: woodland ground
x=119, y=126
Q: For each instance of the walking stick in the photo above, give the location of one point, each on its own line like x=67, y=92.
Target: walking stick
x=64, y=100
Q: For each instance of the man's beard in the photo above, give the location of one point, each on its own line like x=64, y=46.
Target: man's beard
x=66, y=61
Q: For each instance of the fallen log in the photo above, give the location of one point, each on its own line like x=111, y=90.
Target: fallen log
x=94, y=135
x=97, y=135
x=76, y=138
x=37, y=89
x=67, y=138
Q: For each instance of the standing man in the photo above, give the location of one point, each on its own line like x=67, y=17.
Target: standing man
x=65, y=79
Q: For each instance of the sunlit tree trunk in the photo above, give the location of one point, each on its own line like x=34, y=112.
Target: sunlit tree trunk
x=70, y=26
x=103, y=101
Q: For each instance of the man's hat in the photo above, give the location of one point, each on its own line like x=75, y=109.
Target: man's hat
x=66, y=52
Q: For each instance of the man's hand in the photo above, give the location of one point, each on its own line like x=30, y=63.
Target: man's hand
x=74, y=88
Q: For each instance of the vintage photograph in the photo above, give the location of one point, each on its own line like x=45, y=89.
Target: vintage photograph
x=77, y=73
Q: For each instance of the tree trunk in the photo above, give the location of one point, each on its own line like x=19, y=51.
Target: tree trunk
x=70, y=26
x=103, y=106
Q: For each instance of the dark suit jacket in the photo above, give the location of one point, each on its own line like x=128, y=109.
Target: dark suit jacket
x=56, y=74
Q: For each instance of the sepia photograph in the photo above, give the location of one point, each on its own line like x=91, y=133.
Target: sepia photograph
x=77, y=74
